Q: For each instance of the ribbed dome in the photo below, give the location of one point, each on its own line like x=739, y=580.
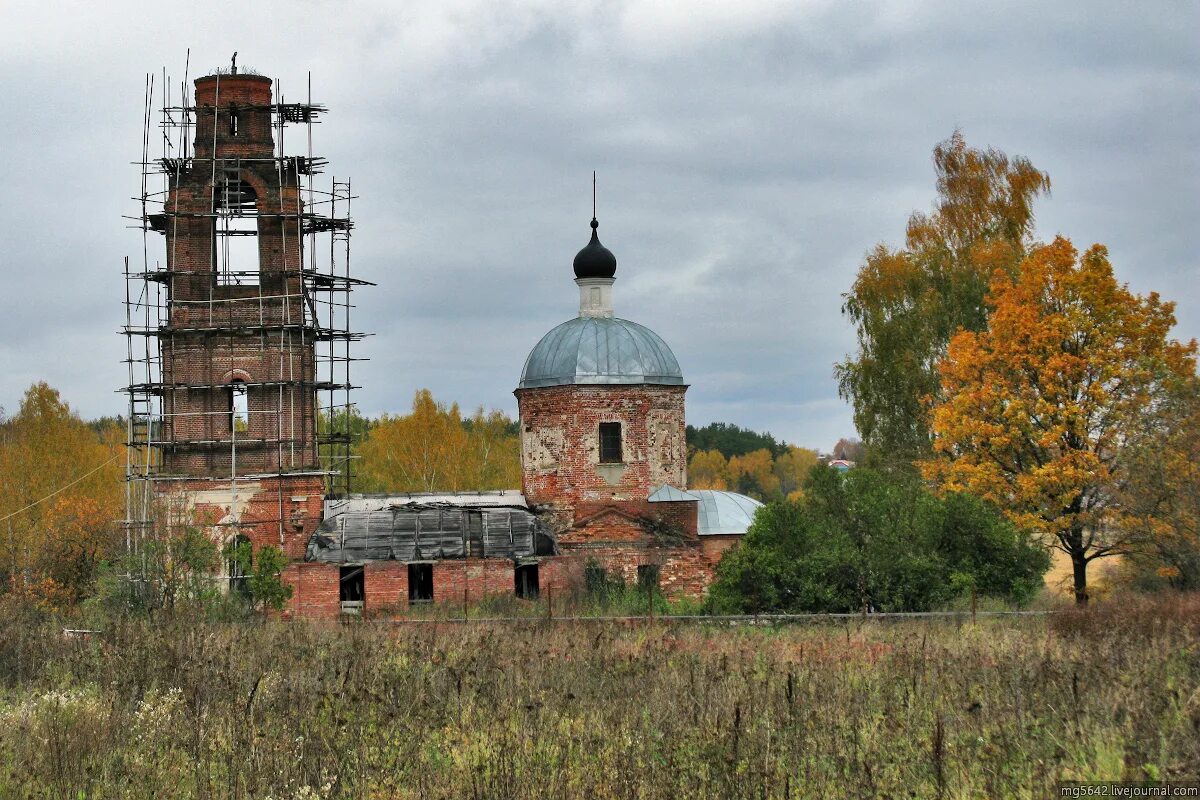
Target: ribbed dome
x=600, y=350
x=595, y=260
x=724, y=512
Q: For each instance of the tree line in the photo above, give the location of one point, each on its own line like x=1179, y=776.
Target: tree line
x=1025, y=374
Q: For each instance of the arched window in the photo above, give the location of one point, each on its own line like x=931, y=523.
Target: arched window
x=239, y=408
x=239, y=559
x=235, y=230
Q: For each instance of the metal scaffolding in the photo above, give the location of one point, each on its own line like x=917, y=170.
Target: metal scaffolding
x=190, y=326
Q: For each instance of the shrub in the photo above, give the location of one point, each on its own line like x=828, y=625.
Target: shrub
x=870, y=540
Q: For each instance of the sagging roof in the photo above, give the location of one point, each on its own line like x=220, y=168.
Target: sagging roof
x=724, y=512
x=428, y=527
x=377, y=502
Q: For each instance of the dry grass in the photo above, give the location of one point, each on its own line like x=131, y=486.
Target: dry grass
x=914, y=709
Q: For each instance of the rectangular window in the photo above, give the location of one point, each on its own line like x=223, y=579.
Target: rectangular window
x=610, y=443
x=648, y=577
x=352, y=590
x=420, y=583
x=526, y=577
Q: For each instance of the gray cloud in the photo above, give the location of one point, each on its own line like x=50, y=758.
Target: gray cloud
x=749, y=154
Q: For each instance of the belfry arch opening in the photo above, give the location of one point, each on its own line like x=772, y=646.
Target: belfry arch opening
x=235, y=231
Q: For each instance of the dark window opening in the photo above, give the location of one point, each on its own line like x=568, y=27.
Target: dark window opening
x=526, y=577
x=610, y=443
x=420, y=583
x=352, y=589
x=233, y=122
x=648, y=577
x=240, y=560
x=235, y=231
x=239, y=408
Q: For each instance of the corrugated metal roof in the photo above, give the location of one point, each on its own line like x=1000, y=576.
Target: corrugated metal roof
x=669, y=494
x=422, y=532
x=724, y=512
x=600, y=350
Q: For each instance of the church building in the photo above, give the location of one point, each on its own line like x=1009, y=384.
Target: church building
x=239, y=351
x=604, y=471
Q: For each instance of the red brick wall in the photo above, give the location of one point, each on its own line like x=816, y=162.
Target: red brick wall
x=200, y=355
x=282, y=511
x=560, y=448
x=683, y=572
x=716, y=545
x=251, y=96
x=385, y=585
x=315, y=591
x=682, y=515
x=622, y=544
x=474, y=577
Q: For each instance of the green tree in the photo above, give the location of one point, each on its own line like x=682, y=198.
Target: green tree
x=169, y=573
x=263, y=571
x=754, y=474
x=1161, y=490
x=731, y=440
x=792, y=469
x=869, y=539
x=342, y=431
x=906, y=304
x=493, y=454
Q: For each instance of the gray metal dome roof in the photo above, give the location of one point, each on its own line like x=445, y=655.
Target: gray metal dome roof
x=600, y=350
x=724, y=512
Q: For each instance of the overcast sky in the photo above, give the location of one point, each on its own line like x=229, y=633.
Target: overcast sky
x=749, y=153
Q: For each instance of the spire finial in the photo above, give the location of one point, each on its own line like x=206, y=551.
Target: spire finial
x=595, y=224
x=233, y=64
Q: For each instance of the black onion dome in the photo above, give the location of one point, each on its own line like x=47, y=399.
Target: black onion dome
x=595, y=260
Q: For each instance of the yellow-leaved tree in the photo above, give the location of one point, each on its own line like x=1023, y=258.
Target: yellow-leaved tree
x=792, y=468
x=1038, y=409
x=906, y=303
x=754, y=474
x=708, y=469
x=434, y=449
x=62, y=498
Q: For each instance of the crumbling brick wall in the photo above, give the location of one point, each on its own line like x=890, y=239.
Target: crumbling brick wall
x=219, y=334
x=716, y=545
x=560, y=442
x=279, y=511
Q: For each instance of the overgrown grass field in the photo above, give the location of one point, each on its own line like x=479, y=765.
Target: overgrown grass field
x=999, y=708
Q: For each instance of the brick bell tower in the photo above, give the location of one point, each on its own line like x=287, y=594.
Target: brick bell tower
x=601, y=407
x=229, y=416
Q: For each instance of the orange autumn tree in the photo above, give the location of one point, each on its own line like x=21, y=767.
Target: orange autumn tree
x=1038, y=409
x=62, y=495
